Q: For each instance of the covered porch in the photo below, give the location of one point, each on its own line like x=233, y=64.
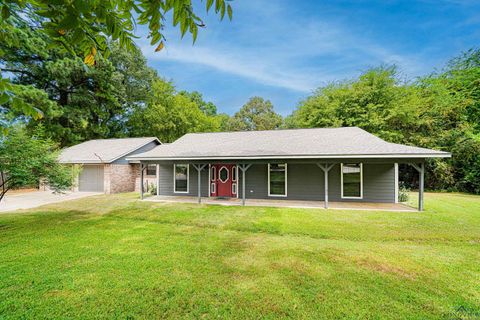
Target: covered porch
x=285, y=203
x=320, y=173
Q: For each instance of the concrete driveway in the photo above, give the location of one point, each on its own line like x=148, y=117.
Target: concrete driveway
x=38, y=198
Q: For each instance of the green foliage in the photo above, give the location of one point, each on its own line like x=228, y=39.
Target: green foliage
x=89, y=27
x=78, y=103
x=208, y=108
x=168, y=115
x=403, y=193
x=89, y=30
x=256, y=114
x=440, y=111
x=27, y=159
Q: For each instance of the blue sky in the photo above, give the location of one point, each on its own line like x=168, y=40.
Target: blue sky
x=283, y=50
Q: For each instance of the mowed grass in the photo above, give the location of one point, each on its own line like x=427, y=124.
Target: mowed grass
x=117, y=257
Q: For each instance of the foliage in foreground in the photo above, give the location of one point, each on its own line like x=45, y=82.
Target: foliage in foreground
x=24, y=160
x=87, y=29
x=116, y=257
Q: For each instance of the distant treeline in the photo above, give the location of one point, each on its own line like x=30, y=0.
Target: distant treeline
x=121, y=96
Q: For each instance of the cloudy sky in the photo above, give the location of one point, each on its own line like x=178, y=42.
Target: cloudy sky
x=283, y=50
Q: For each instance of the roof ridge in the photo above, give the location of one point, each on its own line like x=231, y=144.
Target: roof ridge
x=275, y=130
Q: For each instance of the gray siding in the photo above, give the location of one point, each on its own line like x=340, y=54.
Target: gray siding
x=145, y=148
x=166, y=181
x=305, y=181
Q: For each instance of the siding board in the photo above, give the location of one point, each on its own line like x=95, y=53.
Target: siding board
x=305, y=181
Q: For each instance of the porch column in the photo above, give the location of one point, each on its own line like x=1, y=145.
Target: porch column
x=158, y=179
x=421, y=182
x=326, y=168
x=243, y=168
x=199, y=168
x=142, y=167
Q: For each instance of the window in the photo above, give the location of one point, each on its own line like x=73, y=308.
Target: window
x=213, y=174
x=223, y=174
x=234, y=173
x=151, y=170
x=277, y=180
x=234, y=188
x=212, y=186
x=352, y=180
x=180, y=179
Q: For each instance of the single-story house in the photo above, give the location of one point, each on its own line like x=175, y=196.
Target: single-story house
x=336, y=164
x=104, y=164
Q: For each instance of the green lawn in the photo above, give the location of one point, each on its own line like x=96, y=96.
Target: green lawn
x=117, y=257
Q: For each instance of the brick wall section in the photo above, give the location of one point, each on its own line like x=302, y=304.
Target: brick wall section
x=119, y=178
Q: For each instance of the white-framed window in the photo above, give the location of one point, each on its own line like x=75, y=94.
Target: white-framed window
x=151, y=170
x=212, y=187
x=234, y=173
x=180, y=178
x=351, y=176
x=277, y=179
x=234, y=188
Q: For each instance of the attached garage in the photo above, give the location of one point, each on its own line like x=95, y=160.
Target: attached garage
x=104, y=163
x=91, y=178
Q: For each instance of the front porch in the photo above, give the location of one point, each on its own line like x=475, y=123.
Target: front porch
x=286, y=203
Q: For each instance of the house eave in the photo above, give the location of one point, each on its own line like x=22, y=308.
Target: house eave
x=332, y=156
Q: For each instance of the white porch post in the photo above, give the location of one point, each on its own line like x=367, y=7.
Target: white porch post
x=421, y=183
x=395, y=168
x=158, y=179
x=421, y=186
x=141, y=180
x=199, y=168
x=326, y=168
x=243, y=168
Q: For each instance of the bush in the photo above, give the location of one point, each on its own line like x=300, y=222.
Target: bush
x=152, y=188
x=403, y=193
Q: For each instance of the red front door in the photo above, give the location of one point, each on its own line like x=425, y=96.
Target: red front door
x=223, y=180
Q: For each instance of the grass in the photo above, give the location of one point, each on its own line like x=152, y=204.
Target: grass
x=117, y=257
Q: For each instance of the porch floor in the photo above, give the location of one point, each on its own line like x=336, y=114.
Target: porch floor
x=286, y=203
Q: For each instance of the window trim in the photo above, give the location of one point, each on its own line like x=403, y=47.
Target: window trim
x=175, y=180
x=213, y=173
x=234, y=173
x=212, y=187
x=361, y=182
x=286, y=184
x=228, y=174
x=146, y=170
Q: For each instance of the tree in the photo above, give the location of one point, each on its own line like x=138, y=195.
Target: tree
x=78, y=103
x=168, y=115
x=256, y=114
x=27, y=159
x=89, y=28
x=437, y=111
x=208, y=108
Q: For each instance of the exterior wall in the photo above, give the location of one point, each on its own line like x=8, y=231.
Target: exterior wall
x=145, y=148
x=147, y=179
x=119, y=178
x=305, y=181
x=166, y=181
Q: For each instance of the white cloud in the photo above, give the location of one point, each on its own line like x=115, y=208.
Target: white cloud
x=298, y=56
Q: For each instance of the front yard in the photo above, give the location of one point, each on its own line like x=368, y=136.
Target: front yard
x=117, y=257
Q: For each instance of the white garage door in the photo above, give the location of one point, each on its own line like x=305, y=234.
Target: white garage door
x=91, y=178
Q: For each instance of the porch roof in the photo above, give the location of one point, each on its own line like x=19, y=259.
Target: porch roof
x=349, y=142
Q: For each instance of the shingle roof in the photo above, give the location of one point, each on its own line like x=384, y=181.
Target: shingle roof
x=103, y=150
x=293, y=143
